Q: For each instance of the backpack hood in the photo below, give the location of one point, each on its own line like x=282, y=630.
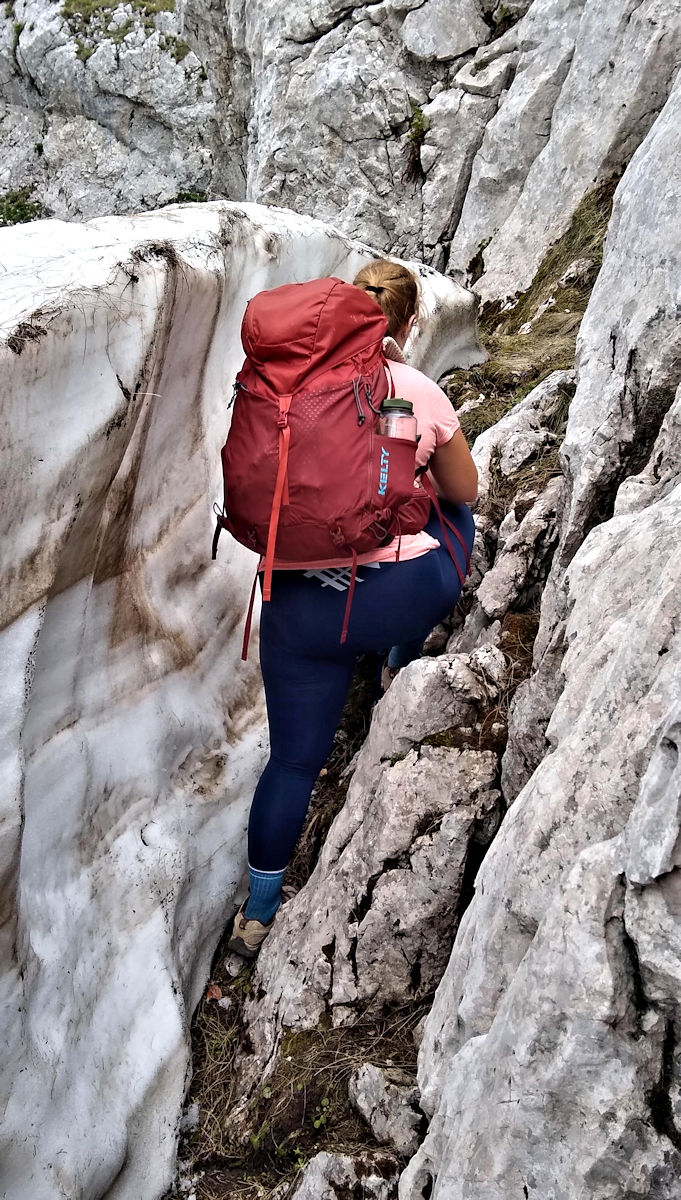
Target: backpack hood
x=293, y=333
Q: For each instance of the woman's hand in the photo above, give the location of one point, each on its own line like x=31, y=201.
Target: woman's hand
x=454, y=471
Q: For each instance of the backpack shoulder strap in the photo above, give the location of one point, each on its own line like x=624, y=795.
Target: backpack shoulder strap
x=280, y=487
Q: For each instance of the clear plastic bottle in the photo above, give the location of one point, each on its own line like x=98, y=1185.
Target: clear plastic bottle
x=397, y=420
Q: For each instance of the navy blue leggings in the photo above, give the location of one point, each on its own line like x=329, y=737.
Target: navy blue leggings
x=307, y=672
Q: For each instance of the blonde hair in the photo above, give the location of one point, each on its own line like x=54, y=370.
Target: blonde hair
x=394, y=288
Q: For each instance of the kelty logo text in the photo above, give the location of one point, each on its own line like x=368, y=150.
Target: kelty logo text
x=383, y=474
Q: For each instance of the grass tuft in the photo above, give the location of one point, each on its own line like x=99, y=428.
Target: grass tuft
x=413, y=172
x=189, y=198
x=91, y=18
x=17, y=207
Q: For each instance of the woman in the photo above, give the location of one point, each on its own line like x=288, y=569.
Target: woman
x=306, y=672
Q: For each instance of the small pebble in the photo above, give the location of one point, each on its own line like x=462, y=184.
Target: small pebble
x=233, y=964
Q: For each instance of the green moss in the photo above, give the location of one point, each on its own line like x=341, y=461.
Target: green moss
x=178, y=49
x=17, y=207
x=418, y=128
x=504, y=20
x=17, y=29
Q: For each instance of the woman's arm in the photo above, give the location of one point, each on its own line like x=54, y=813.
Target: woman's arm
x=454, y=471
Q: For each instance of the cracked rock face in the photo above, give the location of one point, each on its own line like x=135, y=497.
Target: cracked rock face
x=389, y=1102
x=617, y=59
x=512, y=556
x=131, y=736
x=413, y=127
x=628, y=358
x=561, y=994
x=109, y=114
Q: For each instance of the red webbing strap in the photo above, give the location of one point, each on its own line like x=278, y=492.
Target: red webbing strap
x=348, y=602
x=280, y=491
x=249, y=618
x=399, y=539
x=464, y=547
x=444, y=524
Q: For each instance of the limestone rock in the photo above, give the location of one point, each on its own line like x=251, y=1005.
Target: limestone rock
x=586, y=858
x=489, y=79
x=624, y=64
x=531, y=711
x=332, y=1176
x=522, y=434
x=132, y=734
x=541, y=49
x=455, y=124
x=525, y=555
x=619, y=660
x=628, y=354
x=517, y=523
x=627, y=382
x=440, y=30
x=602, y=1066
x=652, y=833
x=659, y=475
x=124, y=110
x=578, y=272
x=603, y=1013
x=388, y=1100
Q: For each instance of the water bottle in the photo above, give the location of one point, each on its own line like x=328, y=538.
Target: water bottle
x=397, y=420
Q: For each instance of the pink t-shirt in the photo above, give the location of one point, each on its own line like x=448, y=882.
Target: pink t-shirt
x=437, y=423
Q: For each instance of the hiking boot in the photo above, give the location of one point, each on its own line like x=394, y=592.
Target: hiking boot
x=247, y=935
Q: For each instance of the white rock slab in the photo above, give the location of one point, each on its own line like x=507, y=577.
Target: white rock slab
x=541, y=49
x=581, y=1038
x=628, y=353
x=328, y=1176
x=624, y=65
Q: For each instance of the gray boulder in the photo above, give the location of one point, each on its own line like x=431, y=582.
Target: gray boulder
x=388, y=1099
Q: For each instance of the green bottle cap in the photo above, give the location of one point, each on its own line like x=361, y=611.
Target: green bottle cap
x=397, y=404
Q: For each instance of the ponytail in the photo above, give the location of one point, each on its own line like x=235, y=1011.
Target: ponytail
x=394, y=288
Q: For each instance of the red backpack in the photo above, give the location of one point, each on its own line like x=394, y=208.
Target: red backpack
x=305, y=477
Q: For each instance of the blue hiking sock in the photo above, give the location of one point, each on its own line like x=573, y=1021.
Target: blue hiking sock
x=264, y=895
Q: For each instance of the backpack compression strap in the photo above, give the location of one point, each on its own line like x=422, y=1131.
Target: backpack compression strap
x=280, y=493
